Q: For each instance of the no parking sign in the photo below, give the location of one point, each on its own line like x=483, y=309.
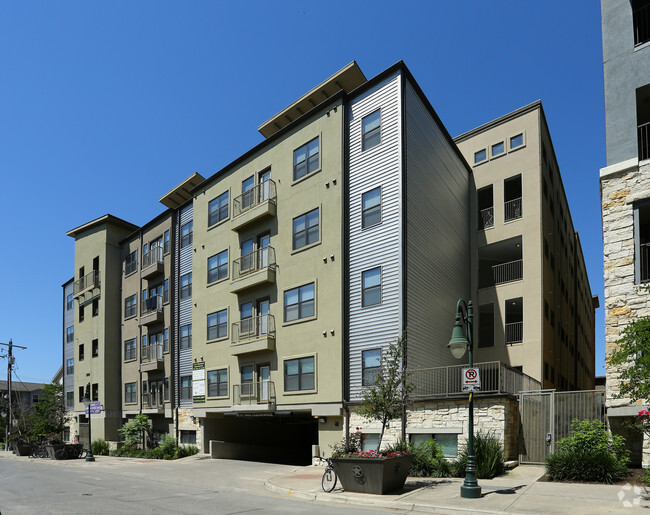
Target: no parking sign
x=471, y=380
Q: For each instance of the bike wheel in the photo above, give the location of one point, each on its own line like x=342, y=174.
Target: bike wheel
x=329, y=480
x=82, y=453
x=61, y=454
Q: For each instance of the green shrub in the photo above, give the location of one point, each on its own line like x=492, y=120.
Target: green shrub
x=488, y=457
x=167, y=449
x=591, y=453
x=646, y=476
x=100, y=447
x=429, y=460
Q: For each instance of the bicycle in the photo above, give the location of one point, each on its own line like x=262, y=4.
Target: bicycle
x=329, y=476
x=39, y=451
x=70, y=451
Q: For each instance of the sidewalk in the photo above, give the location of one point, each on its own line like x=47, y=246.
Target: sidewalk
x=516, y=492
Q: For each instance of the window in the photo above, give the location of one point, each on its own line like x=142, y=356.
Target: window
x=218, y=267
x=95, y=392
x=371, y=130
x=166, y=388
x=81, y=393
x=371, y=208
x=485, y=199
x=130, y=393
x=131, y=263
x=186, y=286
x=95, y=348
x=480, y=156
x=370, y=442
x=69, y=304
x=166, y=340
x=69, y=366
x=81, y=313
x=129, y=349
x=305, y=159
x=81, y=352
x=95, y=307
x=186, y=336
x=370, y=366
x=299, y=303
x=299, y=374
x=498, y=149
x=166, y=291
x=305, y=229
x=187, y=234
x=448, y=442
x=514, y=314
x=69, y=399
x=371, y=287
x=218, y=324
x=188, y=437
x=130, y=308
x=186, y=388
x=641, y=21
x=218, y=209
x=218, y=383
x=642, y=242
x=166, y=242
x=69, y=334
x=516, y=141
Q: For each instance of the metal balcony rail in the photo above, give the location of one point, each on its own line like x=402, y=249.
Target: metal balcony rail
x=254, y=327
x=90, y=280
x=512, y=209
x=256, y=260
x=152, y=400
x=152, y=257
x=515, y=332
x=641, y=22
x=152, y=352
x=487, y=218
x=264, y=191
x=508, y=272
x=152, y=304
x=254, y=393
x=644, y=141
x=496, y=377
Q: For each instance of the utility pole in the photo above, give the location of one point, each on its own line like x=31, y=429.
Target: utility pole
x=10, y=363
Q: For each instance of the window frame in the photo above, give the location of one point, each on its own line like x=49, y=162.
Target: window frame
x=306, y=230
x=186, y=289
x=69, y=302
x=220, y=205
x=130, y=349
x=130, y=393
x=131, y=306
x=221, y=269
x=375, y=369
x=69, y=366
x=503, y=149
x=366, y=211
x=185, y=341
x=131, y=263
x=365, y=290
x=300, y=374
x=304, y=150
x=512, y=148
x=186, y=391
x=370, y=134
x=188, y=238
x=482, y=151
x=217, y=326
x=69, y=334
x=219, y=383
x=300, y=303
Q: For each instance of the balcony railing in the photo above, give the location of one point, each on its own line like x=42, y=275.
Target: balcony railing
x=487, y=218
x=152, y=400
x=257, y=260
x=644, y=141
x=88, y=281
x=515, y=332
x=253, y=328
x=258, y=393
x=508, y=272
x=641, y=22
x=251, y=198
x=152, y=352
x=152, y=305
x=152, y=257
x=496, y=377
x=512, y=209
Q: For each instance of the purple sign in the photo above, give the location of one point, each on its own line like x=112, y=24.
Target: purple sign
x=95, y=408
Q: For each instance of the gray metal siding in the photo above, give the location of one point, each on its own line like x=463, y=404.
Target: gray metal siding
x=375, y=326
x=184, y=307
x=437, y=236
x=68, y=348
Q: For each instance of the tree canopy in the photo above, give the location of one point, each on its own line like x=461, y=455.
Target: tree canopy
x=632, y=358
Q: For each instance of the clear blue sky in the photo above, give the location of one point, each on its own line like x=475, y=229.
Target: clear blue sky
x=99, y=98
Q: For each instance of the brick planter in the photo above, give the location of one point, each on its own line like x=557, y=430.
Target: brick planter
x=372, y=475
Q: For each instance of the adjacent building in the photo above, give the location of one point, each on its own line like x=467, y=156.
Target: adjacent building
x=625, y=188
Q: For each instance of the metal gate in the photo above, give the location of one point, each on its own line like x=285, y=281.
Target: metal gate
x=546, y=415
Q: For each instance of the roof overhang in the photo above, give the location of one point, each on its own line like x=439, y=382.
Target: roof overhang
x=106, y=219
x=180, y=194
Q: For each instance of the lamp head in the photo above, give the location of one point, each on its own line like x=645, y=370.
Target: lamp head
x=458, y=343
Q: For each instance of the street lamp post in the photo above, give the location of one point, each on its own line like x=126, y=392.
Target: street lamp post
x=86, y=401
x=461, y=340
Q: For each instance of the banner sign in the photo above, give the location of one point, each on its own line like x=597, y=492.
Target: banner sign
x=198, y=382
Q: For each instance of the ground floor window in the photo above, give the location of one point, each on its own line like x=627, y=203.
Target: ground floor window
x=370, y=442
x=188, y=437
x=448, y=441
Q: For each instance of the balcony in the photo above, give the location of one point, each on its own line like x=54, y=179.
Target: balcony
x=258, y=396
x=254, y=204
x=152, y=358
x=253, y=335
x=500, y=262
x=496, y=377
x=86, y=283
x=514, y=333
x=253, y=269
x=512, y=209
x=644, y=141
x=152, y=403
x=152, y=310
x=152, y=263
x=486, y=218
x=508, y=272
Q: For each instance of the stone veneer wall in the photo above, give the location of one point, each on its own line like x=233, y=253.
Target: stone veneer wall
x=188, y=423
x=499, y=415
x=624, y=300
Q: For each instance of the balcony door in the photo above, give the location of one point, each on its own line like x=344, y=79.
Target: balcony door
x=248, y=192
x=263, y=313
x=264, y=376
x=265, y=185
x=263, y=242
x=246, y=317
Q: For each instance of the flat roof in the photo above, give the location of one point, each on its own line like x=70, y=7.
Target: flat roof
x=347, y=79
x=108, y=218
x=180, y=194
x=537, y=104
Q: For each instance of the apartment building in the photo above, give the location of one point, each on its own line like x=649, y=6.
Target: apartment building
x=535, y=307
x=625, y=189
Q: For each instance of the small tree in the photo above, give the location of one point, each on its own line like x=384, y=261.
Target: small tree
x=48, y=415
x=632, y=358
x=136, y=431
x=389, y=395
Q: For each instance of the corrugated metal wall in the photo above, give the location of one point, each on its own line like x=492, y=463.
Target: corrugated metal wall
x=68, y=347
x=184, y=307
x=375, y=326
x=437, y=236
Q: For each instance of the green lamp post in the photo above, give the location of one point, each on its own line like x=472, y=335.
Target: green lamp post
x=86, y=401
x=461, y=340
